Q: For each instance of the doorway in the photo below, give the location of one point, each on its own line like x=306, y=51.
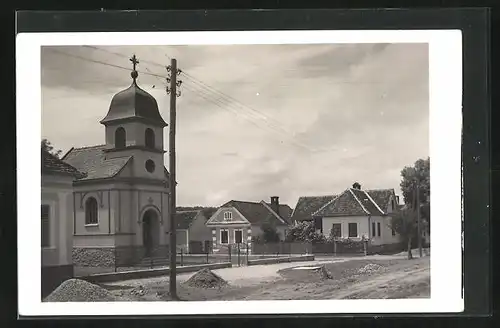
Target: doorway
x=150, y=231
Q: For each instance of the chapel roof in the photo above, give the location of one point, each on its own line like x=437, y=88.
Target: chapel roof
x=134, y=103
x=93, y=162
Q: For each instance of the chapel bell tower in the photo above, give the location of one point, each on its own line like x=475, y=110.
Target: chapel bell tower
x=134, y=128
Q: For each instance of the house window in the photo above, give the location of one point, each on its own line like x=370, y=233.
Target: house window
x=91, y=211
x=378, y=229
x=224, y=236
x=120, y=137
x=45, y=226
x=373, y=229
x=336, y=230
x=353, y=229
x=393, y=231
x=228, y=216
x=238, y=236
x=393, y=204
x=150, y=138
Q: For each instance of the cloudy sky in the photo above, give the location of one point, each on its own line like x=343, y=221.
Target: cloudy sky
x=256, y=121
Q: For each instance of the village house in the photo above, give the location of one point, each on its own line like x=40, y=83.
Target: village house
x=193, y=236
x=236, y=222
x=56, y=222
x=354, y=214
x=121, y=204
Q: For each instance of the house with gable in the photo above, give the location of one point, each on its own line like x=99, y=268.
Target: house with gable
x=193, y=236
x=357, y=213
x=56, y=221
x=236, y=222
x=121, y=204
x=306, y=206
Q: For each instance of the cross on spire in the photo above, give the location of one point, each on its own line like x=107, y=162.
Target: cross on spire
x=134, y=61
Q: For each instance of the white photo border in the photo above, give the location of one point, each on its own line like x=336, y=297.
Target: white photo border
x=445, y=119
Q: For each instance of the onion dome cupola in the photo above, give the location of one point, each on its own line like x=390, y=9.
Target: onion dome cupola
x=134, y=104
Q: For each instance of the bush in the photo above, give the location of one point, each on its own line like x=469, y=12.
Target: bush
x=304, y=232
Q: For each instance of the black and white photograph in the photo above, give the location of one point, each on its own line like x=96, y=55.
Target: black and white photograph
x=243, y=171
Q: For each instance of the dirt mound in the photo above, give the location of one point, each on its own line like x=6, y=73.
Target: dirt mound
x=370, y=268
x=205, y=278
x=323, y=273
x=76, y=290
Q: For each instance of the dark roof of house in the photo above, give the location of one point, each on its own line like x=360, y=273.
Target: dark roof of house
x=355, y=202
x=185, y=218
x=53, y=165
x=369, y=204
x=134, y=103
x=381, y=197
x=257, y=213
x=93, y=162
x=307, y=205
x=285, y=212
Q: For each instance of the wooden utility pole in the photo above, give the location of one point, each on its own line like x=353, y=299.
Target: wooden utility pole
x=419, y=221
x=172, y=90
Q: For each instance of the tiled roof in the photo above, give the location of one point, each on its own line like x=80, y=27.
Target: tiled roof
x=345, y=204
x=185, y=218
x=355, y=202
x=381, y=197
x=53, y=165
x=92, y=161
x=307, y=205
x=368, y=204
x=257, y=213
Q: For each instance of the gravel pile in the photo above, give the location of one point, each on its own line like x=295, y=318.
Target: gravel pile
x=76, y=290
x=205, y=278
x=370, y=268
x=323, y=273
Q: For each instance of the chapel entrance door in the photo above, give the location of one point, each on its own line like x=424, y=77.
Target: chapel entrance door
x=150, y=231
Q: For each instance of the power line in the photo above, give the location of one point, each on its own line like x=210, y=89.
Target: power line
x=204, y=86
x=102, y=63
x=219, y=101
x=221, y=105
x=222, y=97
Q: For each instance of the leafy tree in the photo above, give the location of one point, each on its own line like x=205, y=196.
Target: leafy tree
x=404, y=222
x=304, y=232
x=47, y=146
x=413, y=176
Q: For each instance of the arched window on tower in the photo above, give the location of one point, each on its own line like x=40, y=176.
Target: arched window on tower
x=120, y=138
x=91, y=211
x=150, y=138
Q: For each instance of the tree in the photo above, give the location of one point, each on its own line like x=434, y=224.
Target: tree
x=403, y=221
x=47, y=146
x=269, y=233
x=304, y=232
x=413, y=176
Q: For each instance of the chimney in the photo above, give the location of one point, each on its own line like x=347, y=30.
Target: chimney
x=275, y=204
x=356, y=185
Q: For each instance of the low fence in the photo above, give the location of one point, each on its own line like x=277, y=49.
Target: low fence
x=339, y=247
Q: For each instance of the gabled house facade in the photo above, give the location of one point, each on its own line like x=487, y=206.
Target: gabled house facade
x=193, y=236
x=56, y=221
x=236, y=222
x=357, y=214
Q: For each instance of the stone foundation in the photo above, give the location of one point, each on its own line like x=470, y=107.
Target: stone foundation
x=53, y=276
x=94, y=257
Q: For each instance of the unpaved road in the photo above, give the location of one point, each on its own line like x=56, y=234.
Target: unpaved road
x=396, y=278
